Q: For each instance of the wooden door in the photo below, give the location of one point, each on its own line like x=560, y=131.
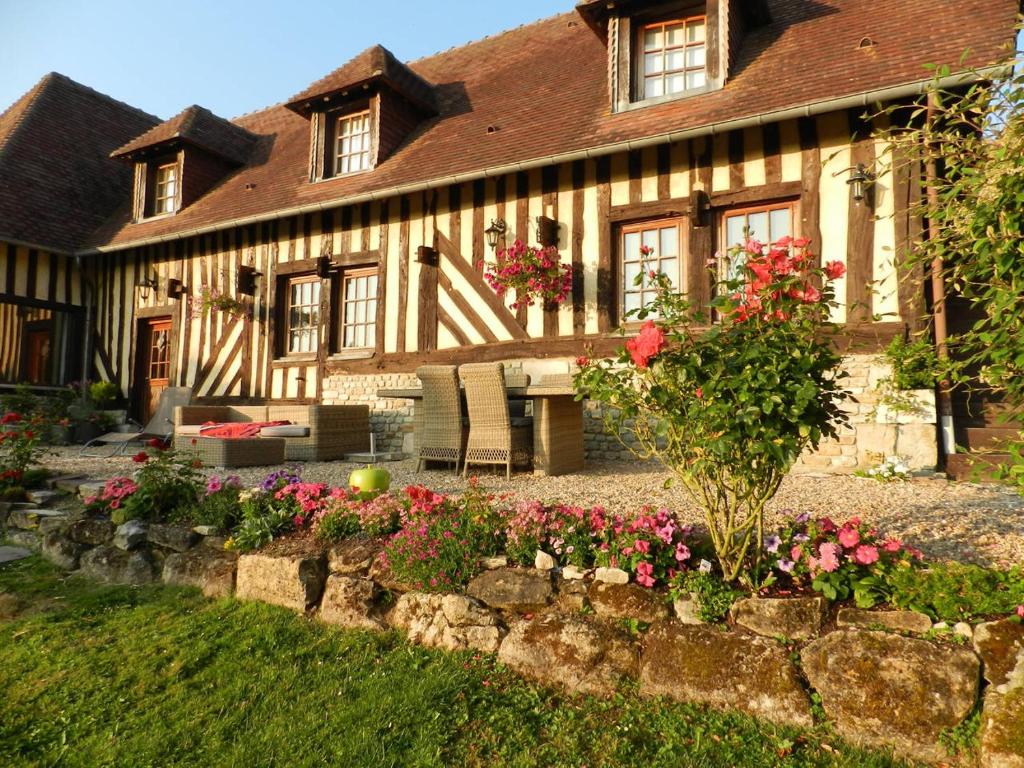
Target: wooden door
x=156, y=365
x=37, y=355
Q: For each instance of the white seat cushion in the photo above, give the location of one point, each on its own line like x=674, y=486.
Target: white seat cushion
x=188, y=429
x=286, y=430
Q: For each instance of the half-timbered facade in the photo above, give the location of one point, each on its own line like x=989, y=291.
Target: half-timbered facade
x=321, y=247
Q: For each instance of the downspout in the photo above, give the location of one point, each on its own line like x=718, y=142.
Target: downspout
x=87, y=296
x=944, y=400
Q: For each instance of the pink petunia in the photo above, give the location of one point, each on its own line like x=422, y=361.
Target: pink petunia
x=682, y=552
x=892, y=545
x=829, y=557
x=865, y=554
x=849, y=537
x=645, y=574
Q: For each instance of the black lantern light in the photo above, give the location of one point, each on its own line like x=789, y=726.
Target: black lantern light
x=147, y=284
x=495, y=232
x=859, y=179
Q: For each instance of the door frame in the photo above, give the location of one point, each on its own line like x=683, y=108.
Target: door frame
x=140, y=378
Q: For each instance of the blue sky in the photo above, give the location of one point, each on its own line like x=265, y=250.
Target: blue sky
x=231, y=56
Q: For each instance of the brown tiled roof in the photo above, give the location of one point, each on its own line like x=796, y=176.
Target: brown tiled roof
x=544, y=88
x=374, y=64
x=57, y=181
x=199, y=127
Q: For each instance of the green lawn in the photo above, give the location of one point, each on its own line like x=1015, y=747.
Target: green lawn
x=93, y=676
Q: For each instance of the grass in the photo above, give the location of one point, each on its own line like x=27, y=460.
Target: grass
x=93, y=675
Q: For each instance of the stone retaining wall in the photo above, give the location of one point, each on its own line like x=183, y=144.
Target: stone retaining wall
x=880, y=683
x=873, y=432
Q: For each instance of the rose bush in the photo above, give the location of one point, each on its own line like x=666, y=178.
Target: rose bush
x=20, y=448
x=533, y=273
x=728, y=407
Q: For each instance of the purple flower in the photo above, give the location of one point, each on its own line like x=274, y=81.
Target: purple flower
x=800, y=538
x=772, y=543
x=803, y=517
x=786, y=566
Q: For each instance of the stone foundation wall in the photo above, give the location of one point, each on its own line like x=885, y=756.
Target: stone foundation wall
x=873, y=433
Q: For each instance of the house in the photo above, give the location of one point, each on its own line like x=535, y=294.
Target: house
x=326, y=246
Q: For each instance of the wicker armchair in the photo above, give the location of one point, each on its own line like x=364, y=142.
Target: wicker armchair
x=441, y=436
x=494, y=436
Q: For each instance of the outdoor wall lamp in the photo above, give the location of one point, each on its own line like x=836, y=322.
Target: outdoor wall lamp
x=146, y=285
x=175, y=288
x=860, y=178
x=495, y=232
x=246, y=279
x=547, y=231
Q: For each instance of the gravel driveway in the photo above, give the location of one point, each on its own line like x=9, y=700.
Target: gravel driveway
x=963, y=521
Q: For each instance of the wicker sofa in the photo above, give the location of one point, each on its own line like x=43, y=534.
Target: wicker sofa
x=316, y=433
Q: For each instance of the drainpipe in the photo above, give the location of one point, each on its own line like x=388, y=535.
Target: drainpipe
x=87, y=296
x=944, y=400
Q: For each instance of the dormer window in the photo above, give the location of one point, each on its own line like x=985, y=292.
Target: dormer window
x=352, y=143
x=166, y=188
x=673, y=57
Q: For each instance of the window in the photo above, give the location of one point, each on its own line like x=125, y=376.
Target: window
x=665, y=239
x=166, y=188
x=352, y=143
x=766, y=223
x=672, y=57
x=302, y=332
x=359, y=308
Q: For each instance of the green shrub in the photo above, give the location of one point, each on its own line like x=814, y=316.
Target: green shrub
x=954, y=592
x=713, y=595
x=218, y=507
x=336, y=525
x=262, y=519
x=104, y=393
x=914, y=363
x=168, y=486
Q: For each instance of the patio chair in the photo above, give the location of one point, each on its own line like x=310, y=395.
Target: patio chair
x=495, y=437
x=160, y=426
x=441, y=436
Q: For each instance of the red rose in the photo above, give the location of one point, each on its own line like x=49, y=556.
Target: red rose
x=582, y=361
x=647, y=344
x=801, y=242
x=10, y=418
x=141, y=457
x=646, y=250
x=155, y=442
x=834, y=270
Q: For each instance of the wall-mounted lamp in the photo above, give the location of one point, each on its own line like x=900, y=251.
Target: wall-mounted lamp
x=859, y=181
x=495, y=232
x=323, y=267
x=245, y=281
x=547, y=231
x=175, y=288
x=146, y=285
x=701, y=208
x=427, y=255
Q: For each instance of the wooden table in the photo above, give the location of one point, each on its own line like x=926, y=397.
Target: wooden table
x=557, y=424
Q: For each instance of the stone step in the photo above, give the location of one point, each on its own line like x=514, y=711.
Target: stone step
x=67, y=483
x=975, y=467
x=43, y=496
x=10, y=554
x=989, y=438
x=29, y=519
x=90, y=488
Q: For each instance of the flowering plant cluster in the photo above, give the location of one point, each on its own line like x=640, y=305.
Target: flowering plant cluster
x=19, y=447
x=374, y=515
x=572, y=535
x=168, y=482
x=892, y=468
x=839, y=561
x=219, y=503
x=111, y=496
x=532, y=272
x=729, y=406
x=653, y=546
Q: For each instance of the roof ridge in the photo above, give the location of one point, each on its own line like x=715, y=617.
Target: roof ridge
x=488, y=38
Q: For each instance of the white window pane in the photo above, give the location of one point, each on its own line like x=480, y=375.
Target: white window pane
x=669, y=242
x=652, y=63
x=653, y=39
x=629, y=274
x=780, y=221
x=674, y=36
x=361, y=312
x=695, y=56
x=349, y=338
x=361, y=336
x=696, y=79
x=650, y=238
x=676, y=83
x=671, y=268
x=373, y=285
x=371, y=335
x=675, y=59
x=758, y=223
x=734, y=230
x=695, y=32
x=633, y=301
x=350, y=312
x=371, y=310
x=653, y=87
x=631, y=246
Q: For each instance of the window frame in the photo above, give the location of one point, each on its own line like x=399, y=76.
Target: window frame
x=336, y=139
x=355, y=273
x=639, y=76
x=639, y=226
x=792, y=204
x=286, y=329
x=160, y=186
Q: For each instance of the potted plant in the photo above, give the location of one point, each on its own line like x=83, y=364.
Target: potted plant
x=214, y=300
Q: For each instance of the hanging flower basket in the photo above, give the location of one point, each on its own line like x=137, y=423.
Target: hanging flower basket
x=212, y=300
x=534, y=273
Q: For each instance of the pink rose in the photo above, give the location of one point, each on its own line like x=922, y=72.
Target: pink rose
x=834, y=270
x=648, y=343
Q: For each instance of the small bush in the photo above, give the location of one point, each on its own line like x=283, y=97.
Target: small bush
x=167, y=486
x=337, y=524
x=653, y=546
x=219, y=506
x=103, y=393
x=714, y=596
x=262, y=519
x=914, y=363
x=953, y=592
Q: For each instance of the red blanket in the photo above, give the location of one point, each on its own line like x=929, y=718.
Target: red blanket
x=237, y=429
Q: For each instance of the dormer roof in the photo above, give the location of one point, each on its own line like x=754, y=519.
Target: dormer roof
x=376, y=65
x=198, y=127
